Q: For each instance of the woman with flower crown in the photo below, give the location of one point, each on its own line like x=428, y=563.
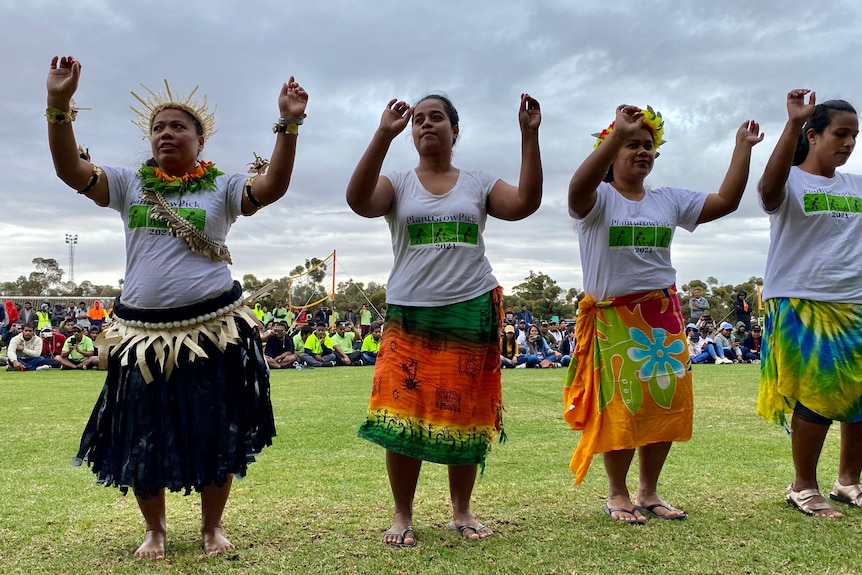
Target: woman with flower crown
x=628, y=386
x=186, y=401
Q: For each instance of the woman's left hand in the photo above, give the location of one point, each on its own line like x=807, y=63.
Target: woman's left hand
x=292, y=100
x=749, y=133
x=529, y=114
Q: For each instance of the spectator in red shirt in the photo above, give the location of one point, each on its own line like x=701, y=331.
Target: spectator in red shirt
x=52, y=344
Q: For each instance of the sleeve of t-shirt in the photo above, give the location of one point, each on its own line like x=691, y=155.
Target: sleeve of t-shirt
x=396, y=179
x=120, y=181
x=689, y=204
x=486, y=181
x=597, y=209
x=234, y=190
x=790, y=177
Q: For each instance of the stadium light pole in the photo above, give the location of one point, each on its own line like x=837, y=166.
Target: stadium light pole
x=72, y=240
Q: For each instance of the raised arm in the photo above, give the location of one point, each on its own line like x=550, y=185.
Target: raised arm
x=771, y=186
x=509, y=202
x=368, y=194
x=588, y=176
x=269, y=188
x=726, y=200
x=76, y=172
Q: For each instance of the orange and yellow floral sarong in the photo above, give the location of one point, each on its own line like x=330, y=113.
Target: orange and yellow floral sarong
x=436, y=392
x=629, y=383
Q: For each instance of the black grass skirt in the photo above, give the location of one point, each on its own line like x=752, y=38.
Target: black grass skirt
x=208, y=420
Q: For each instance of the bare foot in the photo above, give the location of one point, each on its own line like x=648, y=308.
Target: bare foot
x=469, y=528
x=153, y=546
x=215, y=542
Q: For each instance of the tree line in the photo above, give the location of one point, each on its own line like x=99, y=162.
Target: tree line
x=47, y=281
x=542, y=295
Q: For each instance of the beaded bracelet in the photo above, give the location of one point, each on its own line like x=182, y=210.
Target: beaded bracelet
x=58, y=116
x=94, y=179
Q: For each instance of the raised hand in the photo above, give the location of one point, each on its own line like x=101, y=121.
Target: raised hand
x=395, y=117
x=529, y=114
x=629, y=119
x=63, y=79
x=749, y=133
x=292, y=100
x=797, y=109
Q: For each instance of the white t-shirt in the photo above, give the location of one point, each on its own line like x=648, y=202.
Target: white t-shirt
x=625, y=245
x=437, y=241
x=815, y=239
x=161, y=270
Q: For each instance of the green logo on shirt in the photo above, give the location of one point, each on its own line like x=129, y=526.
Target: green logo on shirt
x=635, y=236
x=820, y=202
x=139, y=217
x=443, y=233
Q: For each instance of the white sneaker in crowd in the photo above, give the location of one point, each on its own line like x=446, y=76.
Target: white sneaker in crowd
x=43, y=367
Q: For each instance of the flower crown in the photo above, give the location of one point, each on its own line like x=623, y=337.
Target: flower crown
x=652, y=121
x=159, y=101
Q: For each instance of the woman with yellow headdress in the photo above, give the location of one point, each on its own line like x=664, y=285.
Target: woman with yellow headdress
x=186, y=400
x=628, y=386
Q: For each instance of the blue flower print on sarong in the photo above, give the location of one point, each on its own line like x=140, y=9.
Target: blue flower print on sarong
x=658, y=366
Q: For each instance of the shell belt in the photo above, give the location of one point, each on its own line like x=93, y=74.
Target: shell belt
x=129, y=340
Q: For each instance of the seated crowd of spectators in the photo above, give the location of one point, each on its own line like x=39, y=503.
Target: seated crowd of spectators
x=63, y=336
x=51, y=337
x=549, y=344
x=66, y=347
x=317, y=344
x=545, y=344
x=728, y=343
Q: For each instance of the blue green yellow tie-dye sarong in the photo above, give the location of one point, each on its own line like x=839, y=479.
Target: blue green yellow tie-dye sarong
x=812, y=353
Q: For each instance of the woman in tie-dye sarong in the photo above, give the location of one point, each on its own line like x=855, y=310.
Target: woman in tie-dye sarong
x=436, y=391
x=812, y=342
x=629, y=385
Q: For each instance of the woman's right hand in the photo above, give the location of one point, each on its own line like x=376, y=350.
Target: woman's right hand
x=629, y=119
x=797, y=109
x=63, y=80
x=395, y=117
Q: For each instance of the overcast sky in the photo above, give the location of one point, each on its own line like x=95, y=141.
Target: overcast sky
x=707, y=66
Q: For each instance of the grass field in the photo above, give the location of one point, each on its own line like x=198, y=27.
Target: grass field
x=318, y=500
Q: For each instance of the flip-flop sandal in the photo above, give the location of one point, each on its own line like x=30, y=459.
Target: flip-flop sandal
x=849, y=494
x=609, y=511
x=475, y=528
x=650, y=509
x=401, y=534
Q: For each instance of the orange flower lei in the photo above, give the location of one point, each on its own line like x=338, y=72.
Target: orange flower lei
x=198, y=172
x=201, y=178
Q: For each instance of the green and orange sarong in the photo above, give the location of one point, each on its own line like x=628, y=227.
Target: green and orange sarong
x=629, y=382
x=812, y=353
x=436, y=392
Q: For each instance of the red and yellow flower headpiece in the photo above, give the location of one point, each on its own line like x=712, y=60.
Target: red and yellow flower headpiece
x=652, y=121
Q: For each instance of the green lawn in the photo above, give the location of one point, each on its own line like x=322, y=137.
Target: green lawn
x=318, y=500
